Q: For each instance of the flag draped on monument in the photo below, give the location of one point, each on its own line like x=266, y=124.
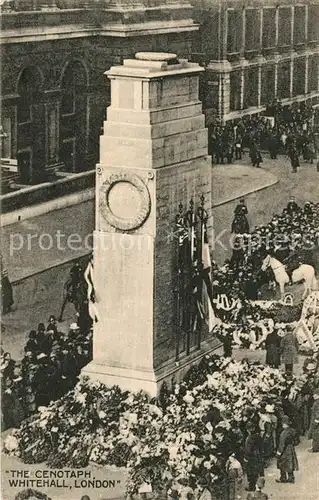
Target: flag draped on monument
x=89, y=278
x=207, y=289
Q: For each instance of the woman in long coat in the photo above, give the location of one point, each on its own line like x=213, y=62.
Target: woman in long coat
x=273, y=349
x=314, y=423
x=287, y=461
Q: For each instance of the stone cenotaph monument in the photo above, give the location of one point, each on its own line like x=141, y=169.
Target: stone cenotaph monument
x=153, y=156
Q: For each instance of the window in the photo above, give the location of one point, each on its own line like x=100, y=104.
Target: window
x=284, y=26
x=313, y=22
x=235, y=90
x=251, y=88
x=26, y=89
x=313, y=67
x=234, y=30
x=299, y=25
x=269, y=28
x=299, y=76
x=74, y=124
x=252, y=31
x=68, y=92
x=283, y=85
x=267, y=84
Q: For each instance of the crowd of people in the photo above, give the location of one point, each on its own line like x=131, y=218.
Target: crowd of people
x=50, y=367
x=291, y=237
x=289, y=130
x=275, y=433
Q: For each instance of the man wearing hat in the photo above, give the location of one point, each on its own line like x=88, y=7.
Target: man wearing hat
x=253, y=456
x=287, y=461
x=292, y=206
x=52, y=327
x=314, y=423
x=258, y=494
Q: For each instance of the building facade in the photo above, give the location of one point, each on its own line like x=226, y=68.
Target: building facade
x=54, y=55
x=255, y=51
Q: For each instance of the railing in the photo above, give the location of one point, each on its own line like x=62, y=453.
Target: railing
x=46, y=191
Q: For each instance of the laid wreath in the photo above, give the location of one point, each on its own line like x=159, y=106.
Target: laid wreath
x=30, y=494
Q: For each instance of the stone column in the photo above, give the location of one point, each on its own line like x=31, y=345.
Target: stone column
x=277, y=59
x=292, y=27
x=243, y=34
x=277, y=29
x=291, y=91
x=153, y=156
x=259, y=85
x=306, y=73
x=306, y=23
x=52, y=125
x=261, y=27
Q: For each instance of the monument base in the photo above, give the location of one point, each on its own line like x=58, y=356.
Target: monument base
x=148, y=381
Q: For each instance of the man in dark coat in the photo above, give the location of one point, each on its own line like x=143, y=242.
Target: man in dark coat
x=255, y=155
x=292, y=206
x=287, y=461
x=253, y=456
x=314, y=423
x=273, y=349
x=289, y=349
x=241, y=208
x=294, y=158
x=273, y=146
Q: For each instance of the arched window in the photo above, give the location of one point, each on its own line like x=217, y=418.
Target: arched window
x=73, y=124
x=29, y=87
x=30, y=126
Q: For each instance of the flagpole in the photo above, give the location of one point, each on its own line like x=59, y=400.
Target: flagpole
x=190, y=217
x=180, y=285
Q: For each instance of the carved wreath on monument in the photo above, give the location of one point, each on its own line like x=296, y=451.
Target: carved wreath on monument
x=125, y=201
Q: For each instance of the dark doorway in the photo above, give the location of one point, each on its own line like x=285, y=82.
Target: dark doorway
x=68, y=155
x=25, y=166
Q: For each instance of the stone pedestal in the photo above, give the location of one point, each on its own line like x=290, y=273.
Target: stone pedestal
x=153, y=156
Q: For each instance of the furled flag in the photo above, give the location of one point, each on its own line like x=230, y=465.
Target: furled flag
x=89, y=278
x=207, y=289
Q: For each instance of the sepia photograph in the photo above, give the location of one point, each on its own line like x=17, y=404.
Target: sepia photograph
x=159, y=249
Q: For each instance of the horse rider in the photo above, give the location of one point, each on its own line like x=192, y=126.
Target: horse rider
x=76, y=277
x=240, y=223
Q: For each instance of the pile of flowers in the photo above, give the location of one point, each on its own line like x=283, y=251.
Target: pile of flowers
x=184, y=435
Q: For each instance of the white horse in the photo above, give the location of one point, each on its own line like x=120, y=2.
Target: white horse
x=303, y=273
